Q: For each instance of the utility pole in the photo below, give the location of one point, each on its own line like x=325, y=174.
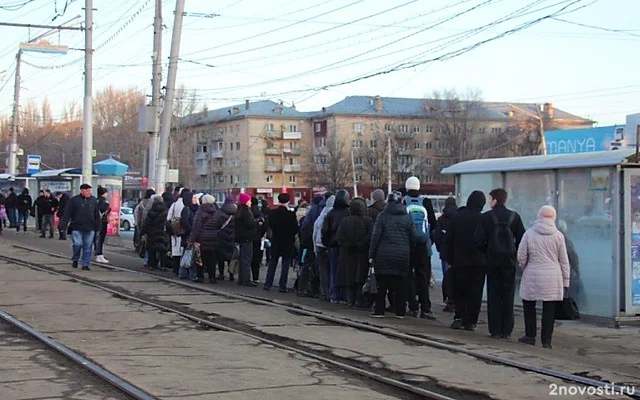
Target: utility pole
x=353, y=169
x=162, y=165
x=543, y=140
x=156, y=93
x=87, y=118
x=389, y=188
x=15, y=120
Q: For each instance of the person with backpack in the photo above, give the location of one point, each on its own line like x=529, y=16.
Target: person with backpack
x=498, y=236
x=468, y=263
x=206, y=211
x=421, y=212
x=217, y=236
x=439, y=233
x=174, y=229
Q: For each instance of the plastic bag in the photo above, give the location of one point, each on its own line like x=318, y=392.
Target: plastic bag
x=187, y=259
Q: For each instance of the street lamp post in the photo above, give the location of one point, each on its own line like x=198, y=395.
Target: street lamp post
x=64, y=157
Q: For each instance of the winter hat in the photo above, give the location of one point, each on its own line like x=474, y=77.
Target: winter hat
x=547, y=212
x=208, y=199
x=450, y=202
x=378, y=195
x=413, y=183
x=229, y=200
x=284, y=198
x=394, y=197
x=149, y=193
x=101, y=191
x=243, y=198
x=476, y=201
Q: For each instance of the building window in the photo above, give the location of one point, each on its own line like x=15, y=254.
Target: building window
x=293, y=128
x=201, y=148
x=404, y=146
x=357, y=160
x=357, y=144
x=231, y=146
x=318, y=127
x=271, y=161
x=416, y=129
x=387, y=127
x=269, y=127
x=442, y=163
x=237, y=179
x=429, y=129
x=427, y=162
x=416, y=145
x=358, y=127
x=237, y=128
x=428, y=145
x=293, y=145
x=495, y=131
x=481, y=130
x=373, y=144
x=237, y=145
x=292, y=179
x=404, y=128
x=322, y=142
x=373, y=161
x=269, y=178
x=220, y=146
x=373, y=178
x=428, y=178
x=321, y=160
x=358, y=178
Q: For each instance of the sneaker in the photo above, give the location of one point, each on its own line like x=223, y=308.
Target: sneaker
x=100, y=259
x=547, y=345
x=375, y=315
x=470, y=328
x=496, y=336
x=74, y=264
x=412, y=314
x=528, y=340
x=457, y=324
x=86, y=268
x=427, y=315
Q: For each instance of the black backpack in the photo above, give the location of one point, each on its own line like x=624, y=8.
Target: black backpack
x=501, y=248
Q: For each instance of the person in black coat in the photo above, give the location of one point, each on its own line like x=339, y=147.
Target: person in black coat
x=501, y=273
x=354, y=237
x=104, y=208
x=218, y=235
x=284, y=227
x=157, y=237
x=329, y=230
x=24, y=204
x=378, y=204
x=10, y=205
x=246, y=233
x=439, y=233
x=38, y=204
x=394, y=235
x=47, y=210
x=261, y=222
x=468, y=263
x=63, y=201
x=206, y=211
x=187, y=216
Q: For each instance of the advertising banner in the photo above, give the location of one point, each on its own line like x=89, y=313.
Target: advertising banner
x=635, y=240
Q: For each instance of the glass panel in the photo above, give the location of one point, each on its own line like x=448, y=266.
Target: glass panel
x=484, y=182
x=585, y=206
x=528, y=191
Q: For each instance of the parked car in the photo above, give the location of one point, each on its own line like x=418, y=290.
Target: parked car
x=126, y=218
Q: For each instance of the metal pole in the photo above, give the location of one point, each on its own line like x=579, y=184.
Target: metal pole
x=15, y=121
x=165, y=129
x=389, y=163
x=353, y=169
x=55, y=27
x=156, y=95
x=637, y=142
x=87, y=119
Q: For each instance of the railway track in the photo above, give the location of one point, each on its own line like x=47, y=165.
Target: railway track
x=565, y=376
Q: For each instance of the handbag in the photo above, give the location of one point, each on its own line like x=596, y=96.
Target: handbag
x=187, y=259
x=567, y=309
x=233, y=263
x=142, y=250
x=370, y=286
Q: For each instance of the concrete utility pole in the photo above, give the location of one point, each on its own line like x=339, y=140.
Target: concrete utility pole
x=87, y=118
x=353, y=169
x=389, y=188
x=156, y=93
x=162, y=165
x=15, y=120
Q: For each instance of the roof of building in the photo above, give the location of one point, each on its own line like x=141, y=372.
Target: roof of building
x=263, y=109
x=537, y=163
x=407, y=107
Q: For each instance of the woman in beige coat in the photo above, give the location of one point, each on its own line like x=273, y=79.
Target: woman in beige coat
x=543, y=258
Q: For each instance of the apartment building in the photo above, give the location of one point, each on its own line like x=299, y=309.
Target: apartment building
x=264, y=147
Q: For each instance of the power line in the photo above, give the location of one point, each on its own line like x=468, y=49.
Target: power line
x=15, y=6
x=600, y=28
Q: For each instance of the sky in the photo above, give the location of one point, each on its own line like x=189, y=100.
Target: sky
x=580, y=55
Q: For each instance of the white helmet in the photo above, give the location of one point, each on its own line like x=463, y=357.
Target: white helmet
x=413, y=183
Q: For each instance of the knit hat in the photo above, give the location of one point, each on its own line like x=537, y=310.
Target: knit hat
x=243, y=198
x=208, y=199
x=149, y=193
x=378, y=195
x=229, y=200
x=101, y=191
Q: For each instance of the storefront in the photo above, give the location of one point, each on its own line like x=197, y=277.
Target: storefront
x=597, y=196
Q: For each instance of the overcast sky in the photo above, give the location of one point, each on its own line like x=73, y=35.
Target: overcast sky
x=308, y=50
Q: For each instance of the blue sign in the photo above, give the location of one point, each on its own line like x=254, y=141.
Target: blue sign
x=33, y=164
x=580, y=140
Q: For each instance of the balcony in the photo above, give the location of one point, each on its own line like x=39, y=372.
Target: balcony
x=293, y=152
x=202, y=156
x=272, y=152
x=216, y=137
x=217, y=154
x=272, y=168
x=292, y=168
x=405, y=135
x=216, y=169
x=405, y=152
x=405, y=169
x=292, y=135
x=271, y=135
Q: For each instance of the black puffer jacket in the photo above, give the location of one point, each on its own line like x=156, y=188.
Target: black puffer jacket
x=376, y=208
x=442, y=226
x=201, y=218
x=187, y=216
x=214, y=239
x=332, y=220
x=354, y=237
x=393, y=237
x=459, y=248
x=246, y=226
x=153, y=227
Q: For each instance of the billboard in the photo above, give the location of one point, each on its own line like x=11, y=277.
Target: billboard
x=580, y=140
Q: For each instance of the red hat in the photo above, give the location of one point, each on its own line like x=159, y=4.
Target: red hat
x=243, y=198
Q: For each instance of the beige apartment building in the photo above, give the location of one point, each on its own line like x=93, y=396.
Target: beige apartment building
x=264, y=147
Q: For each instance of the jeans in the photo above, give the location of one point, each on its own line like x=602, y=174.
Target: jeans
x=146, y=258
x=22, y=220
x=82, y=242
x=334, y=257
x=323, y=270
x=548, y=317
x=47, y=220
x=396, y=285
x=284, y=272
x=11, y=215
x=245, y=257
x=501, y=282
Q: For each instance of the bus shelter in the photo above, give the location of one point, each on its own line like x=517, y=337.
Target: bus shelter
x=597, y=197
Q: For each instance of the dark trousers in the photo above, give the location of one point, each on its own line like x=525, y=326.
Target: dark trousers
x=175, y=260
x=394, y=284
x=501, y=282
x=62, y=233
x=323, y=272
x=39, y=221
x=256, y=259
x=23, y=216
x=221, y=261
x=245, y=256
x=156, y=259
x=468, y=283
x=548, y=317
x=47, y=220
x=209, y=261
x=11, y=215
x=100, y=238
x=421, y=277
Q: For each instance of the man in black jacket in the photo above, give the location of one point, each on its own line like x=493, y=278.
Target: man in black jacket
x=10, y=206
x=24, y=206
x=284, y=227
x=499, y=235
x=329, y=230
x=63, y=201
x=468, y=263
x=47, y=209
x=38, y=204
x=83, y=215
x=258, y=252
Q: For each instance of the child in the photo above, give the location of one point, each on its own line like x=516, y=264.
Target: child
x=3, y=216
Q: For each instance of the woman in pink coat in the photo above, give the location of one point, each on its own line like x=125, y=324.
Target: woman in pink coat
x=542, y=255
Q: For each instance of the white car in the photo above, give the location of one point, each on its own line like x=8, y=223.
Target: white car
x=126, y=218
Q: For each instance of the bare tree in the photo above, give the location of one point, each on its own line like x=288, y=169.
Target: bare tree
x=330, y=166
x=182, y=143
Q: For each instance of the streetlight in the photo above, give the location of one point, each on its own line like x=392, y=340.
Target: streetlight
x=64, y=157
